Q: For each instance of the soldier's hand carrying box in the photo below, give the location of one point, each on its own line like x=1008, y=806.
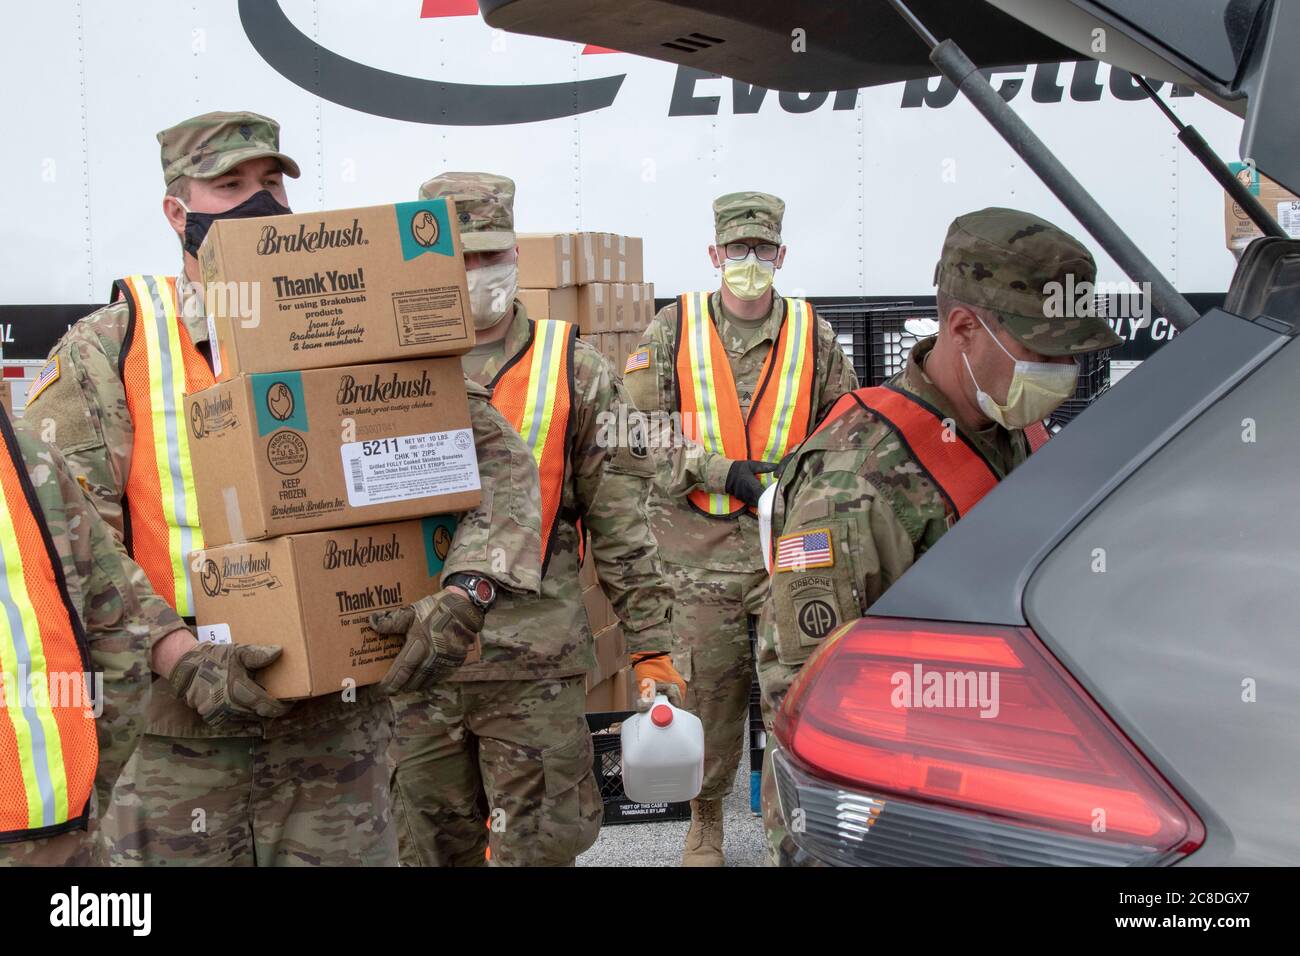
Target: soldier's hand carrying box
x=313, y=595
x=339, y=287
x=287, y=452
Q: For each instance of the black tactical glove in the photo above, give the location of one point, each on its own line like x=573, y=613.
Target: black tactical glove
x=742, y=479
x=440, y=630
x=216, y=680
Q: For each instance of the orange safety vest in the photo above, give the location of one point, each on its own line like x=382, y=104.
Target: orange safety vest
x=781, y=413
x=534, y=393
x=1036, y=434
x=957, y=468
x=48, y=748
x=159, y=365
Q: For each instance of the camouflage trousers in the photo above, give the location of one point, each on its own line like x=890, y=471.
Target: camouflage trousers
x=711, y=651
x=499, y=765
x=318, y=797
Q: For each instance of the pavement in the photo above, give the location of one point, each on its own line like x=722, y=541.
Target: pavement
x=660, y=844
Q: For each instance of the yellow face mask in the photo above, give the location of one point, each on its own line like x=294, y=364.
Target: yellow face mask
x=748, y=278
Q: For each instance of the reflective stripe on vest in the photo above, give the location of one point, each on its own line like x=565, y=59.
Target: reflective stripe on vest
x=781, y=411
x=48, y=748
x=159, y=365
x=962, y=475
x=533, y=392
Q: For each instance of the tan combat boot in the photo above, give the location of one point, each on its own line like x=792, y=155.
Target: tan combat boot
x=704, y=838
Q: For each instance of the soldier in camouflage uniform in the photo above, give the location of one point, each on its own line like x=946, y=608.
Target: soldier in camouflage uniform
x=500, y=755
x=121, y=618
x=225, y=774
x=1000, y=279
x=715, y=565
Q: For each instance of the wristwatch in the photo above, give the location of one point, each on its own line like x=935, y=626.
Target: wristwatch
x=482, y=591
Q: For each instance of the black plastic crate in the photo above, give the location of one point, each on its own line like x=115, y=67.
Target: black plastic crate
x=1094, y=375
x=875, y=335
x=757, y=745
x=757, y=732
x=608, y=766
x=1068, y=411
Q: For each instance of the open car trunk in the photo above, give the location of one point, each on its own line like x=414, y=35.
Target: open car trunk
x=1239, y=53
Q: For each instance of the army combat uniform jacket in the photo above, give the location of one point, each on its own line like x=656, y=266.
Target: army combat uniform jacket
x=121, y=617
x=687, y=537
x=606, y=483
x=857, y=481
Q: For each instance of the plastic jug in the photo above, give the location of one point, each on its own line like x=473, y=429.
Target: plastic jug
x=663, y=754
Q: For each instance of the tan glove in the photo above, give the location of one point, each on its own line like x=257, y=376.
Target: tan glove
x=440, y=630
x=217, y=681
x=655, y=674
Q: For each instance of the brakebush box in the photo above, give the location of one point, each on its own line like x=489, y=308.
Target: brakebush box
x=287, y=452
x=341, y=287
x=313, y=594
x=1239, y=229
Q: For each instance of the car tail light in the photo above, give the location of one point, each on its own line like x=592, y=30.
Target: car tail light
x=981, y=722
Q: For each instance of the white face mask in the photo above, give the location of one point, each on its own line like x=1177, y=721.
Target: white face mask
x=492, y=292
x=1036, y=390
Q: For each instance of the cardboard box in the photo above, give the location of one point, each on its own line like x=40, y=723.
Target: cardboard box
x=647, y=306
x=313, y=594
x=606, y=343
x=285, y=452
x=1239, y=230
x=561, y=304
x=611, y=654
x=606, y=257
x=615, y=694
x=627, y=344
x=546, y=260
x=615, y=306
x=600, y=613
x=341, y=287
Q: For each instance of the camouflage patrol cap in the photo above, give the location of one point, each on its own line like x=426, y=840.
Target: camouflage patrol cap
x=1027, y=271
x=485, y=207
x=206, y=146
x=748, y=215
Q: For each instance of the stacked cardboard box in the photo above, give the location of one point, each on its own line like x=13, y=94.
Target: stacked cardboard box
x=593, y=279
x=338, y=425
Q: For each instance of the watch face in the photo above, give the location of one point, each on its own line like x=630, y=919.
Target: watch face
x=483, y=591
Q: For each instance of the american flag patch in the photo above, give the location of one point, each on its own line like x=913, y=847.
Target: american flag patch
x=808, y=549
x=48, y=376
x=637, y=360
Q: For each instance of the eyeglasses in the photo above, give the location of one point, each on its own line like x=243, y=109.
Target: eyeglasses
x=764, y=250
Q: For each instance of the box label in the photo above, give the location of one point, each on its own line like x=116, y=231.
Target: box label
x=1288, y=217
x=423, y=228
x=212, y=412
x=214, y=347
x=246, y=572
x=437, y=532
x=410, y=466
x=213, y=633
x=426, y=316
x=278, y=402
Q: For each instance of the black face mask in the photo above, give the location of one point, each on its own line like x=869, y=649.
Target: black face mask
x=261, y=203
